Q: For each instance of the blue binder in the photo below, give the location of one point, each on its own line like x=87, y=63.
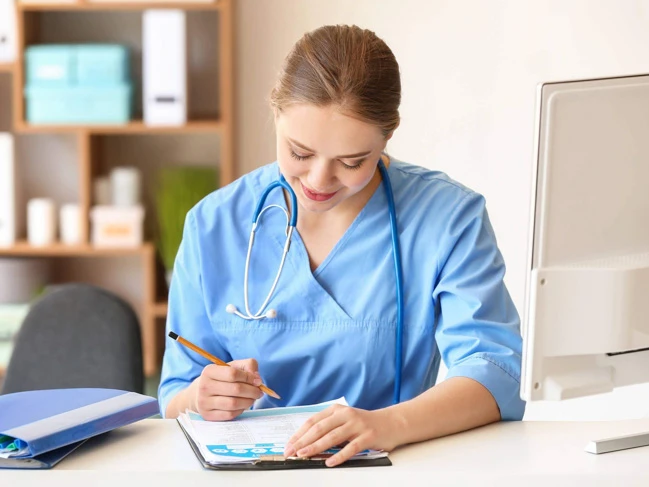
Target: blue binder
x=39, y=428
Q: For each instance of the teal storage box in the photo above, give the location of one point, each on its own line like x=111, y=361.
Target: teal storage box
x=100, y=64
x=110, y=104
x=50, y=65
x=76, y=64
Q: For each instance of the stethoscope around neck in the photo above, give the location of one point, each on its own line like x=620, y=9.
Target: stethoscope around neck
x=291, y=221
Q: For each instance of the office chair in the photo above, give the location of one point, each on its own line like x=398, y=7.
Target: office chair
x=77, y=336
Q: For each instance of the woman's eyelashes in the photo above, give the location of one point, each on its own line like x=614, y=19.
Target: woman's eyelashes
x=354, y=166
x=300, y=157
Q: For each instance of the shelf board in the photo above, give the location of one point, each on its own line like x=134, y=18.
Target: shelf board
x=22, y=248
x=84, y=5
x=135, y=127
x=160, y=309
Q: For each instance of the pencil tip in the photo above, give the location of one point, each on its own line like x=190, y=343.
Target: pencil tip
x=173, y=335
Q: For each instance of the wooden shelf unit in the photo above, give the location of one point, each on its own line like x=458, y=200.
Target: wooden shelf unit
x=24, y=249
x=136, y=127
x=88, y=138
x=86, y=5
x=160, y=309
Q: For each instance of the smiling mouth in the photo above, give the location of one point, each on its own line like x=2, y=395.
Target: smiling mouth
x=312, y=195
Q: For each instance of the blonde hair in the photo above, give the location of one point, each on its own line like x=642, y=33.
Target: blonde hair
x=345, y=66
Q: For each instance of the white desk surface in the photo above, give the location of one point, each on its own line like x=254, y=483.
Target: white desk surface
x=154, y=452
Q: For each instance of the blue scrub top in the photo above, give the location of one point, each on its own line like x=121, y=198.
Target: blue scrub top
x=334, y=334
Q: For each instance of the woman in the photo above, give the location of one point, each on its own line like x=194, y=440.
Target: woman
x=332, y=329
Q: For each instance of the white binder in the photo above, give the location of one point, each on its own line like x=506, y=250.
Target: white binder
x=7, y=190
x=164, y=67
x=7, y=31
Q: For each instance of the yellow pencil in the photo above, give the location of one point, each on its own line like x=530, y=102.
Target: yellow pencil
x=216, y=360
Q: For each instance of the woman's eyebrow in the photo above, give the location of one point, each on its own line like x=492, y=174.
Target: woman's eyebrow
x=348, y=156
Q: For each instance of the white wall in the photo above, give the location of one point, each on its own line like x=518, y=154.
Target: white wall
x=469, y=71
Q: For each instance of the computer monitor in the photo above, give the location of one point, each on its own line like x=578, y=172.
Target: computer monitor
x=586, y=317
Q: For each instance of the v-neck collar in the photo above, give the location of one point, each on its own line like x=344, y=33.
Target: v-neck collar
x=298, y=257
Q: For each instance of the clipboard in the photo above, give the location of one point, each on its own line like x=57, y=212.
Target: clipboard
x=281, y=463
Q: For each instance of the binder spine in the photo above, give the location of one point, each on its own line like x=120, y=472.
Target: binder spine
x=92, y=428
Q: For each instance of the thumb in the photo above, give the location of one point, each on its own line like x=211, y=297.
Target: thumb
x=248, y=365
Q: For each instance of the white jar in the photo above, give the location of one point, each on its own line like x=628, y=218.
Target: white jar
x=125, y=186
x=70, y=224
x=41, y=222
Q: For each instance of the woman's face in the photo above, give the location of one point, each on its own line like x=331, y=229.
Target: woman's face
x=327, y=157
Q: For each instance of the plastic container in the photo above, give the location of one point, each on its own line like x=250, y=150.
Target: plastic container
x=80, y=104
x=125, y=186
x=41, y=222
x=70, y=216
x=50, y=65
x=114, y=226
x=101, y=64
x=76, y=64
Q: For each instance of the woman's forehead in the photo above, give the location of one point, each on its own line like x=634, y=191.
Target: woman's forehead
x=312, y=126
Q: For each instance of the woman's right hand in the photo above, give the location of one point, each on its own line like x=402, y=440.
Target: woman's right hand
x=222, y=393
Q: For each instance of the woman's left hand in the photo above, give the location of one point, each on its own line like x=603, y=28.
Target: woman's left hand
x=339, y=424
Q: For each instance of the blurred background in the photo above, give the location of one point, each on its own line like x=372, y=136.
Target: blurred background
x=117, y=116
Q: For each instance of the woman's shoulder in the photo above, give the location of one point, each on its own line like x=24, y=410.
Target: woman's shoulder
x=418, y=184
x=238, y=195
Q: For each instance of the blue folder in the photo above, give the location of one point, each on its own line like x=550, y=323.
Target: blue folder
x=47, y=425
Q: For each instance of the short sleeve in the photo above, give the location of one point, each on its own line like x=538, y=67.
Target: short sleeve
x=478, y=327
x=186, y=316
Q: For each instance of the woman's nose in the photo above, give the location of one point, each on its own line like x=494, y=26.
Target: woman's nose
x=321, y=176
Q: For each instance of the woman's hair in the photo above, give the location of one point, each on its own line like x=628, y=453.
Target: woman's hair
x=344, y=66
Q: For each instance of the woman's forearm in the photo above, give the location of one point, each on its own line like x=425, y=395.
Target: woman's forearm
x=181, y=401
x=455, y=405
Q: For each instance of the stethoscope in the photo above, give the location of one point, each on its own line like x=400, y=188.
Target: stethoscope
x=291, y=221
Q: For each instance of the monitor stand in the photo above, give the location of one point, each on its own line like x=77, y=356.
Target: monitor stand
x=618, y=443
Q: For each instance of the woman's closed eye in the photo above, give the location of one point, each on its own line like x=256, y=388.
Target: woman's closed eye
x=353, y=165
x=348, y=165
x=299, y=157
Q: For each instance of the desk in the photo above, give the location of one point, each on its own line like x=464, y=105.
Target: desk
x=155, y=453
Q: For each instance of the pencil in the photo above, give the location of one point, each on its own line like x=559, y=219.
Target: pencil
x=216, y=360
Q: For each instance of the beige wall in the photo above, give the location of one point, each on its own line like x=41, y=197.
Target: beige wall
x=469, y=71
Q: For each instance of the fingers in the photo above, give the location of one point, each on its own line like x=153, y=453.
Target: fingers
x=352, y=448
x=218, y=415
x=225, y=392
x=329, y=440
x=232, y=374
x=214, y=387
x=313, y=429
x=249, y=365
x=309, y=423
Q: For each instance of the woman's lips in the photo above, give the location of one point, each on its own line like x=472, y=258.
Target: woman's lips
x=312, y=195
